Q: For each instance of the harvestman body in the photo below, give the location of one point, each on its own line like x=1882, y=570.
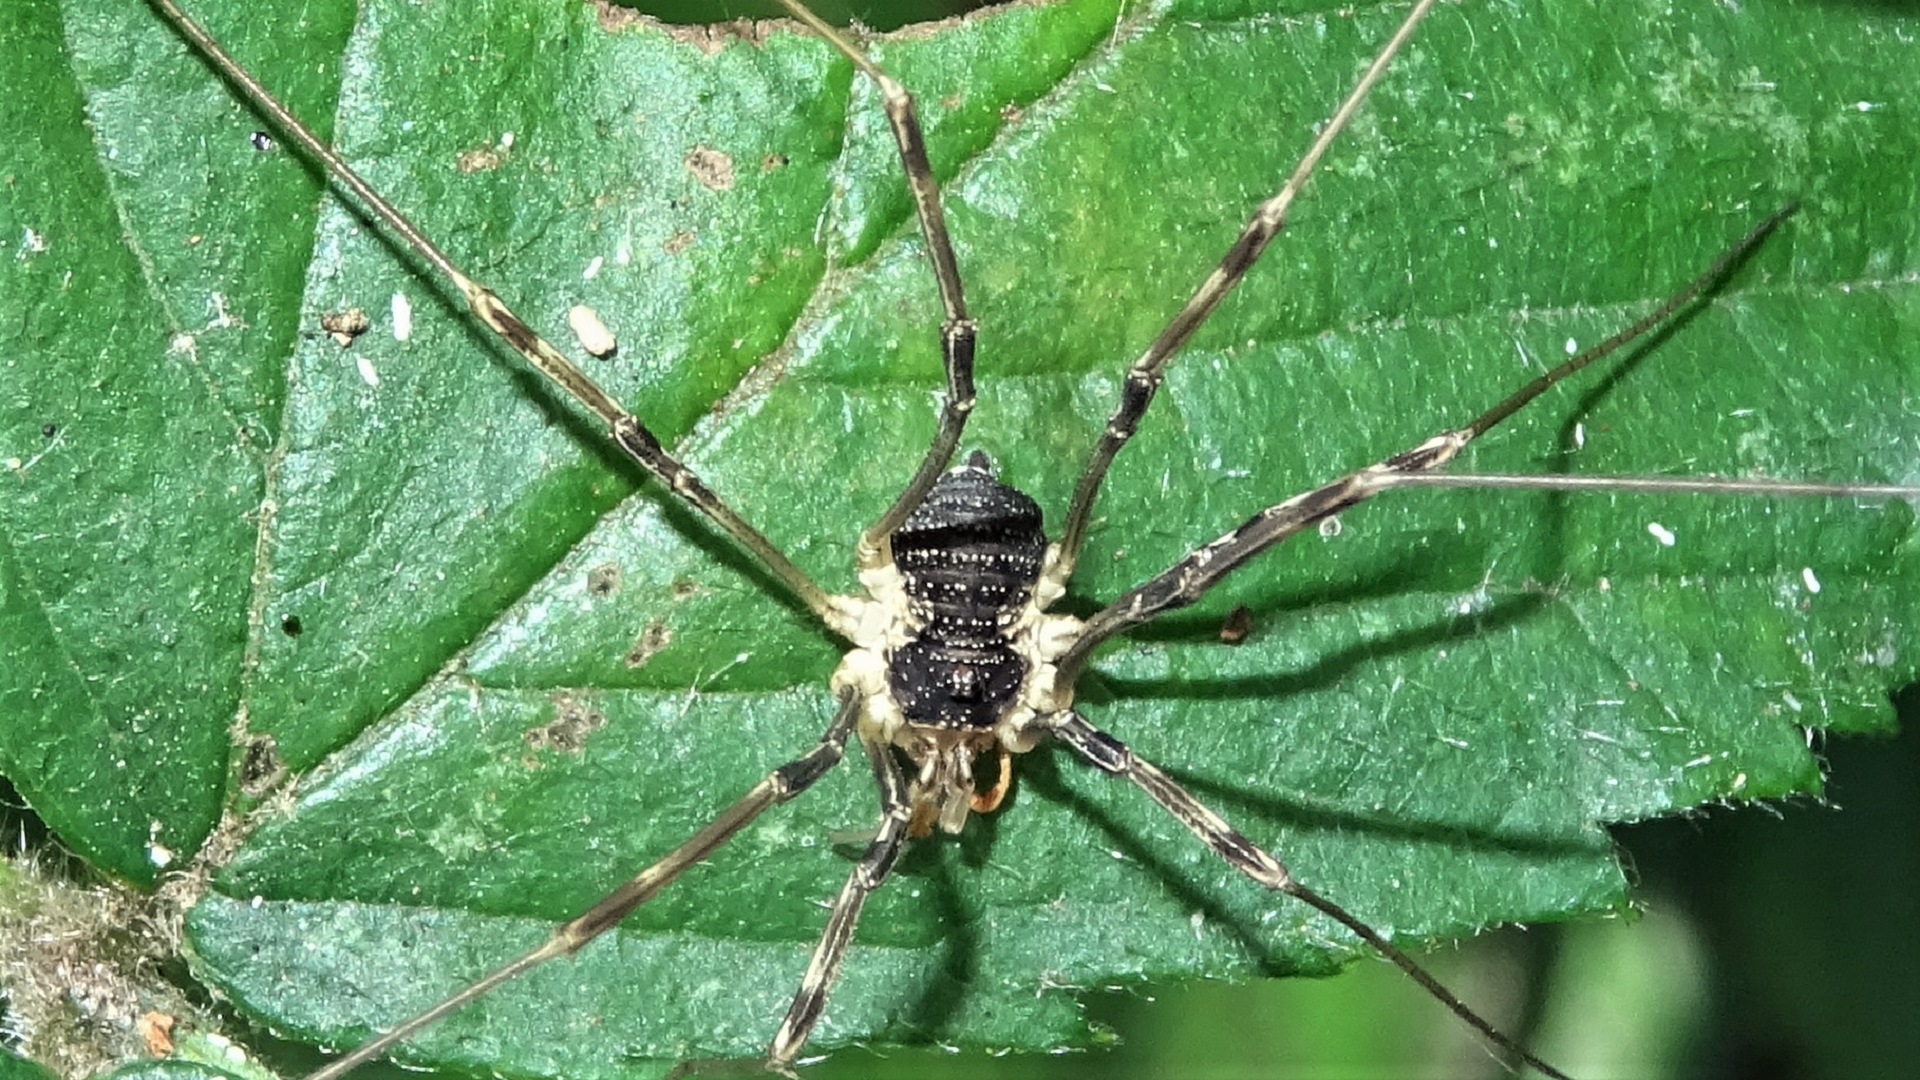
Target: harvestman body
x=954, y=652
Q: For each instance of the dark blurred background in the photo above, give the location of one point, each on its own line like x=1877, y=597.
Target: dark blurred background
x=875, y=14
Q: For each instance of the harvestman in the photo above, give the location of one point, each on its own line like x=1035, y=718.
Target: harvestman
x=953, y=652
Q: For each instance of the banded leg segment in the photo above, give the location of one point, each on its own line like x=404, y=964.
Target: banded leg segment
x=627, y=430
x=1143, y=378
x=958, y=329
x=1189, y=579
x=823, y=969
x=777, y=786
x=1113, y=757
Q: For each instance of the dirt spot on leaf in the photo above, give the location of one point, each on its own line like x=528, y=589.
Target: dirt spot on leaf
x=567, y=732
x=483, y=158
x=261, y=769
x=1238, y=625
x=156, y=1030
x=654, y=638
x=346, y=325
x=603, y=580
x=713, y=168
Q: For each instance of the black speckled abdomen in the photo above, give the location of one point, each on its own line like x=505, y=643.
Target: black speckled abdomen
x=970, y=555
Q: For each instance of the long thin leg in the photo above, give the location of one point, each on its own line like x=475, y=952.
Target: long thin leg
x=823, y=970
x=1113, y=757
x=1686, y=485
x=626, y=429
x=1143, y=378
x=1187, y=580
x=777, y=786
x=957, y=331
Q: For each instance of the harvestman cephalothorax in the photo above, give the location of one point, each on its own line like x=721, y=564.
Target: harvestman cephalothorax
x=944, y=793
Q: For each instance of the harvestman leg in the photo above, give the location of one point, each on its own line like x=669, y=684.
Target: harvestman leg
x=626, y=429
x=1143, y=378
x=1112, y=756
x=1187, y=580
x=957, y=330
x=823, y=969
x=777, y=786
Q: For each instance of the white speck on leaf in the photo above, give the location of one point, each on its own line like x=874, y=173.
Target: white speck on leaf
x=402, y=309
x=591, y=331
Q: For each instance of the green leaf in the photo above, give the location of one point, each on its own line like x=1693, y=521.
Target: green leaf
x=401, y=559
x=172, y=1070
x=14, y=1068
